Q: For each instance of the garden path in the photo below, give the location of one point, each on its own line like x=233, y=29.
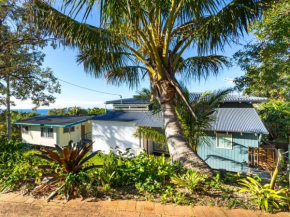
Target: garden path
x=12, y=204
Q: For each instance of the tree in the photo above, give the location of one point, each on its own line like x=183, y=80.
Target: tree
x=194, y=129
x=267, y=64
x=21, y=75
x=77, y=111
x=148, y=38
x=276, y=116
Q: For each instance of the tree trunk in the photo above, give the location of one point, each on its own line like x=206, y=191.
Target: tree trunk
x=178, y=146
x=8, y=121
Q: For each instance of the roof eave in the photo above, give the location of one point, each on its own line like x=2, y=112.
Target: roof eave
x=52, y=125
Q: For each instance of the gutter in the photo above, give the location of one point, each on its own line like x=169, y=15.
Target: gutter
x=51, y=125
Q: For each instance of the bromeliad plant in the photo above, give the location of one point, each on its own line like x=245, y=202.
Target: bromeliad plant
x=263, y=196
x=67, y=167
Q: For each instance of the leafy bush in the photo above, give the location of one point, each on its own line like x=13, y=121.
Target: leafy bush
x=191, y=180
x=16, y=168
x=264, y=197
x=22, y=173
x=147, y=173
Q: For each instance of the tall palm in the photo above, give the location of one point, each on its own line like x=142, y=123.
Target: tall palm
x=138, y=38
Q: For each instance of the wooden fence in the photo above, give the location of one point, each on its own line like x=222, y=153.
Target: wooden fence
x=263, y=157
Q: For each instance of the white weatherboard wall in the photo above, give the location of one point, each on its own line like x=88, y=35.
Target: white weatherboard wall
x=109, y=134
x=34, y=137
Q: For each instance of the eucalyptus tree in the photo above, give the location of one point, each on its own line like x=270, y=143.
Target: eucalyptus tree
x=135, y=39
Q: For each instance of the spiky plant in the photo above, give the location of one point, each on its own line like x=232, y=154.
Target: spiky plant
x=68, y=163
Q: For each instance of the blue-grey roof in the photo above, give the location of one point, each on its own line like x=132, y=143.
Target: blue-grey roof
x=238, y=117
x=142, y=118
x=231, y=98
x=53, y=120
x=127, y=101
x=229, y=117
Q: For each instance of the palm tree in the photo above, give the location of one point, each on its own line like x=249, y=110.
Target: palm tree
x=148, y=38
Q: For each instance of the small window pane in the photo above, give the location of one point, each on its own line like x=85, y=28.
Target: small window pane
x=46, y=132
x=50, y=132
x=72, y=129
x=224, y=140
x=65, y=130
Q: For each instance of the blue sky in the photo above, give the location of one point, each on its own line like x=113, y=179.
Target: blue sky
x=62, y=61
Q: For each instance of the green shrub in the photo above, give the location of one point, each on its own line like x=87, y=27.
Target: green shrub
x=147, y=173
x=264, y=197
x=191, y=180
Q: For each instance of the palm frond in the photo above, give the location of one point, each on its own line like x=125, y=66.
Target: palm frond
x=72, y=32
x=151, y=134
x=195, y=68
x=130, y=75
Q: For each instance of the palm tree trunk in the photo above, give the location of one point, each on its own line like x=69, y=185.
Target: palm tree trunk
x=178, y=146
x=8, y=121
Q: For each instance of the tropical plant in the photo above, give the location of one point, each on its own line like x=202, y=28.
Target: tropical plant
x=65, y=165
x=263, y=196
x=191, y=180
x=148, y=38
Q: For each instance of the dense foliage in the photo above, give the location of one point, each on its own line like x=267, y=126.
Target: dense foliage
x=15, y=116
x=73, y=171
x=77, y=111
x=266, y=63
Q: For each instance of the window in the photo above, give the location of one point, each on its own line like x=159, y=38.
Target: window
x=66, y=129
x=25, y=129
x=224, y=140
x=46, y=132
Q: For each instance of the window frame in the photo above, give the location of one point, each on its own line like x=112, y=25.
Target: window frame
x=217, y=140
x=47, y=133
x=70, y=129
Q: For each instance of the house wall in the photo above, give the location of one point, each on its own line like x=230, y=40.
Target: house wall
x=109, y=134
x=34, y=137
x=235, y=160
x=75, y=136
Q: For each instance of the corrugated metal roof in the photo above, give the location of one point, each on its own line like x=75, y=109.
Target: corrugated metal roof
x=127, y=101
x=231, y=98
x=142, y=118
x=53, y=120
x=233, y=117
x=238, y=117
